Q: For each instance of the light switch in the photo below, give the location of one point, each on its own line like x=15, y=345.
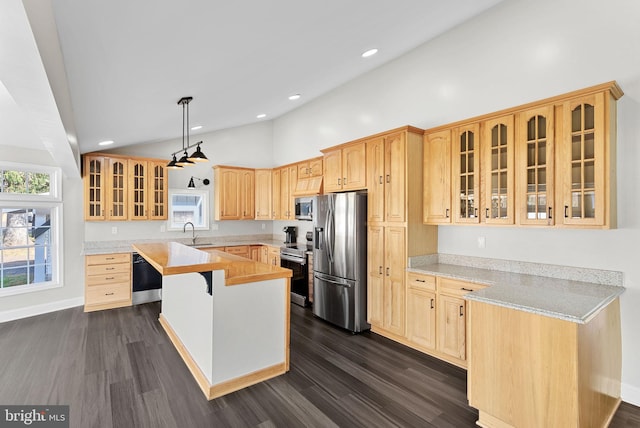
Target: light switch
x=114, y=230
x=482, y=242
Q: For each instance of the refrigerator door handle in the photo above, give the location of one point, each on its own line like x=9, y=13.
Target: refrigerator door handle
x=319, y=238
x=333, y=281
x=330, y=232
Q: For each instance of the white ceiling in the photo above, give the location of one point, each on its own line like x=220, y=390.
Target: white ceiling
x=128, y=62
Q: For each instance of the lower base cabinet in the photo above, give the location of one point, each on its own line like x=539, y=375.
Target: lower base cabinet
x=107, y=281
x=434, y=313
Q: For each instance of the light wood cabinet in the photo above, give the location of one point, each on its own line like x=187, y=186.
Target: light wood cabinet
x=276, y=186
x=452, y=317
x=239, y=250
x=263, y=194
x=137, y=189
x=421, y=311
x=309, y=177
x=107, y=281
x=395, y=229
x=159, y=191
x=234, y=193
x=499, y=170
x=586, y=163
x=121, y=188
x=288, y=182
x=116, y=184
x=345, y=167
x=535, y=153
x=386, y=248
x=529, y=370
x=247, y=195
x=466, y=149
x=437, y=177
x=95, y=177
x=274, y=256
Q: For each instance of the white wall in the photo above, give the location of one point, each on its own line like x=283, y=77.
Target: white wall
x=72, y=292
x=517, y=52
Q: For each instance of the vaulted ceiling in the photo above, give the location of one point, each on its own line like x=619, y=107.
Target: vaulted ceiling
x=117, y=68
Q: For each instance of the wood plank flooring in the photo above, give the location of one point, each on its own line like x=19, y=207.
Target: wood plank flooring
x=117, y=368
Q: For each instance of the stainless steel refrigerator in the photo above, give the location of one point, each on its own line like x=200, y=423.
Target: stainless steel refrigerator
x=340, y=259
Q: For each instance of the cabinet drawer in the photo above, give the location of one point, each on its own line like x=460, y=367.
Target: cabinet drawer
x=107, y=293
x=104, y=259
x=456, y=287
x=109, y=278
x=421, y=281
x=239, y=250
x=107, y=269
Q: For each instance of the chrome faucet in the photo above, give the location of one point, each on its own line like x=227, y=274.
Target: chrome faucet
x=193, y=232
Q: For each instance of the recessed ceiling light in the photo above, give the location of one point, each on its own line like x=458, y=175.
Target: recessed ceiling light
x=369, y=53
x=105, y=143
x=261, y=116
x=294, y=97
x=195, y=128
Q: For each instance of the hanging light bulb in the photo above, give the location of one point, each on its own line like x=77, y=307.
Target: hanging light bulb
x=191, y=184
x=173, y=164
x=198, y=156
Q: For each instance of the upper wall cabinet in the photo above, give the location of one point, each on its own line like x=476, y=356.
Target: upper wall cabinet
x=345, y=167
x=549, y=163
x=263, y=194
x=234, y=193
x=586, y=161
x=498, y=166
x=437, y=177
x=124, y=188
x=535, y=152
x=309, y=179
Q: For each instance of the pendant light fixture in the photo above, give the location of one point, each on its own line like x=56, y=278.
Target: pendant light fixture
x=192, y=185
x=198, y=155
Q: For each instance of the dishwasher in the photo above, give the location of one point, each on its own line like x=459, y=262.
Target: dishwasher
x=147, y=281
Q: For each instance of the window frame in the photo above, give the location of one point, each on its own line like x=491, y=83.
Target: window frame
x=171, y=225
x=52, y=201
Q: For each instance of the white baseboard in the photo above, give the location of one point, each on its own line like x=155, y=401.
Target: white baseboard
x=630, y=394
x=45, y=308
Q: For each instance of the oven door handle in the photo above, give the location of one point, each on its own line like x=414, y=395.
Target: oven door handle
x=300, y=261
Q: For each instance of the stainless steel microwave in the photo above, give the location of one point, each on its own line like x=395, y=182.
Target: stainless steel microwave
x=304, y=208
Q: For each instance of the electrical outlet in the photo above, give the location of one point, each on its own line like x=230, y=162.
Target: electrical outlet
x=482, y=242
x=214, y=226
x=114, y=230
x=264, y=226
x=163, y=228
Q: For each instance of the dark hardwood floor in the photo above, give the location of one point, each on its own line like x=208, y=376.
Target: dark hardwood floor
x=117, y=368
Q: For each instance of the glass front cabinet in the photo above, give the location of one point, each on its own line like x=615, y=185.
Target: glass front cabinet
x=466, y=175
x=499, y=180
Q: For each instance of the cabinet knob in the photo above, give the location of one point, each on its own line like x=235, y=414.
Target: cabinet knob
x=380, y=270
x=566, y=208
x=108, y=294
x=339, y=181
x=432, y=303
x=486, y=212
x=387, y=271
x=446, y=213
x=380, y=179
x=388, y=178
x=461, y=308
x=466, y=289
x=550, y=217
x=344, y=181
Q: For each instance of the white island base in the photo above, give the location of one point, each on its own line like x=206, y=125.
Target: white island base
x=230, y=339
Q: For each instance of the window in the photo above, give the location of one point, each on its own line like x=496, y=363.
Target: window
x=30, y=225
x=188, y=206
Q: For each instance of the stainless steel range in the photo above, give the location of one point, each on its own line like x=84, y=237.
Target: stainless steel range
x=294, y=256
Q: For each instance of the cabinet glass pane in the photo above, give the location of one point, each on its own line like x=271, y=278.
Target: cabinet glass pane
x=494, y=137
x=531, y=154
x=463, y=185
x=589, y=152
x=503, y=183
x=542, y=179
x=531, y=207
x=531, y=129
x=542, y=153
x=589, y=204
x=576, y=119
x=576, y=147
x=470, y=184
x=531, y=180
x=494, y=183
x=589, y=175
x=463, y=142
x=494, y=159
x=542, y=207
x=576, y=204
x=470, y=161
x=463, y=163
x=589, y=117
x=470, y=140
x=542, y=127
x=576, y=176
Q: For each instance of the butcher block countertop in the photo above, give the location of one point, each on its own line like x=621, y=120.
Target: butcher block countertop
x=170, y=258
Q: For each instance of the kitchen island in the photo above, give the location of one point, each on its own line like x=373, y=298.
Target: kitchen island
x=206, y=296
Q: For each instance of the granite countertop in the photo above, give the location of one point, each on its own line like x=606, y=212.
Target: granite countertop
x=570, y=300
x=170, y=258
x=107, y=247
